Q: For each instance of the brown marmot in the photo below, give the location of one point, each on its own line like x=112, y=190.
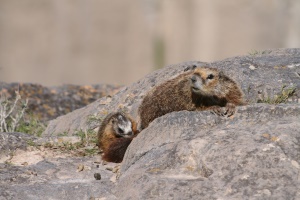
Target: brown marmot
x=200, y=88
x=115, y=134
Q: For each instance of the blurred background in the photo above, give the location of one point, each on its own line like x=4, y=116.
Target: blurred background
x=53, y=42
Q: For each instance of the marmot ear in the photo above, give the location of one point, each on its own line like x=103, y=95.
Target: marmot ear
x=190, y=68
x=221, y=74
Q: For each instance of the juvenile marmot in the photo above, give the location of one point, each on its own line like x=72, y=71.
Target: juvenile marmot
x=197, y=89
x=115, y=134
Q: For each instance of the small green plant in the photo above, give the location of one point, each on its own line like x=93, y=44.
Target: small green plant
x=31, y=126
x=31, y=143
x=94, y=118
x=8, y=162
x=87, y=137
x=11, y=112
x=65, y=133
x=255, y=52
x=69, y=146
x=282, y=97
x=91, y=151
x=86, y=146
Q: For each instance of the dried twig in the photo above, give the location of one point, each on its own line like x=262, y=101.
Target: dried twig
x=10, y=114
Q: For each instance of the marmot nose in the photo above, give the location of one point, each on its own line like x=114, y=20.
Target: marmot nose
x=130, y=133
x=193, y=79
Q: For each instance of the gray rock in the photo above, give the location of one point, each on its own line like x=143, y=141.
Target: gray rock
x=197, y=155
x=55, y=179
x=255, y=154
x=12, y=141
x=47, y=103
x=261, y=76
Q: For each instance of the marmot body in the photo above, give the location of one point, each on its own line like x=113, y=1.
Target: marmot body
x=115, y=134
x=199, y=89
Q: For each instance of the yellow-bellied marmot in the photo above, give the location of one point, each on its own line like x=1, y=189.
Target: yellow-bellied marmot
x=115, y=134
x=201, y=88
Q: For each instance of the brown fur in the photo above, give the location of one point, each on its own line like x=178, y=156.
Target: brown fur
x=114, y=146
x=116, y=150
x=177, y=94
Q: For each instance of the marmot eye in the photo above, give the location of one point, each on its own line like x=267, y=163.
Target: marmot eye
x=120, y=130
x=210, y=76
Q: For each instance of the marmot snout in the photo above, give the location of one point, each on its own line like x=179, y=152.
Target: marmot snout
x=122, y=126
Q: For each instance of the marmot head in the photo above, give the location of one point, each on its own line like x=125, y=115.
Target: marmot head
x=205, y=81
x=122, y=126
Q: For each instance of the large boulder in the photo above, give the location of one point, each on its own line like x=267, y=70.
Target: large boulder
x=197, y=155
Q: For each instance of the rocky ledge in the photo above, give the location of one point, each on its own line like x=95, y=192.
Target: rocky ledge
x=47, y=103
x=255, y=154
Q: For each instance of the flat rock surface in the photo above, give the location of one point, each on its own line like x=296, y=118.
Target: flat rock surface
x=49, y=174
x=12, y=141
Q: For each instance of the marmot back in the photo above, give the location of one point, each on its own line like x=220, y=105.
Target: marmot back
x=115, y=134
x=199, y=89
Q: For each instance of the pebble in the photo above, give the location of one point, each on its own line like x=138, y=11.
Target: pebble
x=109, y=168
x=116, y=169
x=252, y=67
x=97, y=176
x=80, y=167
